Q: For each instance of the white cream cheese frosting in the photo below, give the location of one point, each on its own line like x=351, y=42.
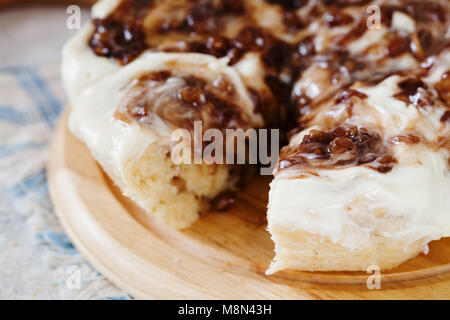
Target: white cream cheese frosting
x=410, y=202
x=96, y=86
x=351, y=205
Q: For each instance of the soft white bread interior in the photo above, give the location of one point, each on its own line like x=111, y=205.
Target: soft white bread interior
x=176, y=194
x=302, y=250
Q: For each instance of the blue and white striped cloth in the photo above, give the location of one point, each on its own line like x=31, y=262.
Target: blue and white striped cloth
x=37, y=258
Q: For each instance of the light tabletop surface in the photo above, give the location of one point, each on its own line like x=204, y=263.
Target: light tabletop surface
x=37, y=260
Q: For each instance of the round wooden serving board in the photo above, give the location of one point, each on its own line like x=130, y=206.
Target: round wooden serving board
x=221, y=256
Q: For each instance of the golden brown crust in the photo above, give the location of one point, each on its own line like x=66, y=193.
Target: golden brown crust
x=302, y=250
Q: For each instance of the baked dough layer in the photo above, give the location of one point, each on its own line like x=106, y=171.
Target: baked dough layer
x=302, y=250
x=175, y=194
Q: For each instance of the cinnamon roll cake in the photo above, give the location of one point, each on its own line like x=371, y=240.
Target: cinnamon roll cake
x=358, y=89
